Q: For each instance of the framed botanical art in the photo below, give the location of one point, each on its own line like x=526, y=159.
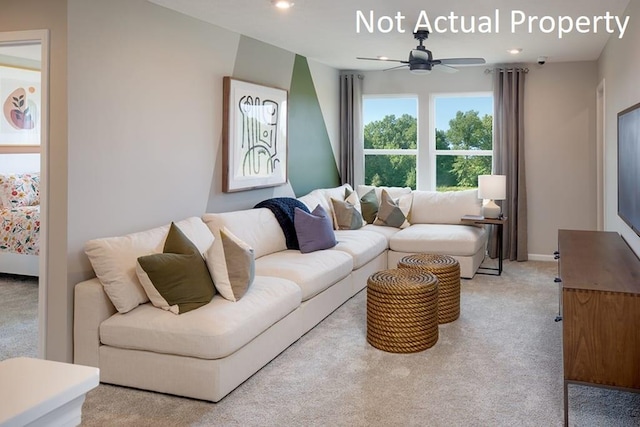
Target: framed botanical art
x=254, y=141
x=20, y=100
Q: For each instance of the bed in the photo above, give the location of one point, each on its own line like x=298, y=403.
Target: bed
x=20, y=223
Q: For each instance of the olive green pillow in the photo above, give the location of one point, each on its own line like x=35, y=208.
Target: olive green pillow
x=178, y=279
x=369, y=206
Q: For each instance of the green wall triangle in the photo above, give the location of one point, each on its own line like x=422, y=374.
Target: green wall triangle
x=311, y=161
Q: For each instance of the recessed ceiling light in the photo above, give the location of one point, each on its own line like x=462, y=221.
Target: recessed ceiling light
x=515, y=51
x=282, y=4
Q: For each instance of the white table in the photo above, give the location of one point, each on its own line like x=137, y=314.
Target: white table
x=36, y=392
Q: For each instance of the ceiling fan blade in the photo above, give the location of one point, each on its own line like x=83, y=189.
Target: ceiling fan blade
x=386, y=60
x=395, y=68
x=445, y=68
x=462, y=61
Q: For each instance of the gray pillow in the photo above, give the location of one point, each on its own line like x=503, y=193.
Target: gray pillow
x=314, y=230
x=347, y=216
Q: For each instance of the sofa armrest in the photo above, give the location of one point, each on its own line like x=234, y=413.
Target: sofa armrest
x=92, y=306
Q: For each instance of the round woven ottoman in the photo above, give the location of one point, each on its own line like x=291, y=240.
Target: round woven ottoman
x=447, y=269
x=402, y=310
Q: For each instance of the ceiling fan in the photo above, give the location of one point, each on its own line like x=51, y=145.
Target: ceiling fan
x=421, y=60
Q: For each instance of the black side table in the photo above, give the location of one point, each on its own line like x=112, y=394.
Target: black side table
x=499, y=222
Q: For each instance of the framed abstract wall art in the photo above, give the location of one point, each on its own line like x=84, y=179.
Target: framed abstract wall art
x=254, y=141
x=20, y=103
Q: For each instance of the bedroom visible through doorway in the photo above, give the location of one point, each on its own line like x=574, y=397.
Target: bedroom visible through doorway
x=23, y=139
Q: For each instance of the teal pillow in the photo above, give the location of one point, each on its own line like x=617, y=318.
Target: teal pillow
x=178, y=279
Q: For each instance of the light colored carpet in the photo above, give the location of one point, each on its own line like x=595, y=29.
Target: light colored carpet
x=499, y=364
x=18, y=316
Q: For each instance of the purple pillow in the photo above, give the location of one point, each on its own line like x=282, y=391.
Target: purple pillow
x=314, y=230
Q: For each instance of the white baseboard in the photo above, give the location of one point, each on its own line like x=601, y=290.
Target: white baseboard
x=540, y=257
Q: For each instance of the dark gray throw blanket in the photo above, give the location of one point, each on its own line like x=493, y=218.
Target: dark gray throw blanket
x=283, y=208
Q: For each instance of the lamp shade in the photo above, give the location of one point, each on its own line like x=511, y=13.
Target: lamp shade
x=492, y=187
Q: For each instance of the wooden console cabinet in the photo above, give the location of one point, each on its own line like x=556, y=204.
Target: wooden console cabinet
x=600, y=282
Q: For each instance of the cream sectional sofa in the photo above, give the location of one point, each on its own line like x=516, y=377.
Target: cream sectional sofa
x=207, y=352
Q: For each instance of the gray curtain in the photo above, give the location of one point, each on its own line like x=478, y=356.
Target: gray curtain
x=351, y=154
x=508, y=122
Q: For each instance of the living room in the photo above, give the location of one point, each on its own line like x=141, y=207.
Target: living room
x=135, y=123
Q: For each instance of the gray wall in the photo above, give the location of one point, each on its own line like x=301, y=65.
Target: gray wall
x=559, y=138
x=619, y=66
x=560, y=115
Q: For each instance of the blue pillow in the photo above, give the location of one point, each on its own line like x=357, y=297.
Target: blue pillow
x=314, y=230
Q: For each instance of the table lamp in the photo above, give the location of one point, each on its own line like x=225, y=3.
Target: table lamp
x=492, y=187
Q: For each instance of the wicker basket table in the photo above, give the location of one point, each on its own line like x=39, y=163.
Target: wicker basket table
x=402, y=310
x=447, y=269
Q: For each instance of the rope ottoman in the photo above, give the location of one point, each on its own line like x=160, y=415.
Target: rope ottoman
x=447, y=270
x=402, y=310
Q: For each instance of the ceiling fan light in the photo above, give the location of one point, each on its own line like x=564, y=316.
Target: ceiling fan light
x=282, y=4
x=420, y=68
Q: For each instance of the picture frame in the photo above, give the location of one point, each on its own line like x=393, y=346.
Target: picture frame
x=20, y=107
x=254, y=136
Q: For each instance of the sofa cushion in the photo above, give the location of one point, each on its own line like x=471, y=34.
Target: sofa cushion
x=323, y=196
x=394, y=192
x=213, y=331
x=446, y=207
x=176, y=280
x=387, y=232
x=313, y=272
x=114, y=259
x=362, y=245
x=462, y=240
x=314, y=230
x=393, y=213
x=231, y=263
x=258, y=228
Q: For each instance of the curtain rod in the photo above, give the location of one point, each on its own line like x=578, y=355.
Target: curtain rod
x=508, y=70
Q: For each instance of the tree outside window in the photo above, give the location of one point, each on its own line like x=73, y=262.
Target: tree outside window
x=391, y=141
x=463, y=145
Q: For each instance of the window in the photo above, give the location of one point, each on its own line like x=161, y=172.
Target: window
x=390, y=140
x=458, y=147
x=462, y=140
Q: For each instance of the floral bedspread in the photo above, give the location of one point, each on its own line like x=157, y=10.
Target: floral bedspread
x=20, y=230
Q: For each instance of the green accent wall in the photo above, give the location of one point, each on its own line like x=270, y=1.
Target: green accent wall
x=311, y=161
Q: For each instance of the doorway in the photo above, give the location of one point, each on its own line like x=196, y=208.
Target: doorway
x=24, y=130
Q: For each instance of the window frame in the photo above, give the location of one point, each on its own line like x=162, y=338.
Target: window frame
x=433, y=153
x=398, y=151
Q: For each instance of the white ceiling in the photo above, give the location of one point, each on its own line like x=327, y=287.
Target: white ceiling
x=325, y=30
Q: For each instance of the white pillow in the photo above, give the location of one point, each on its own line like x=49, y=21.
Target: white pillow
x=231, y=263
x=114, y=259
